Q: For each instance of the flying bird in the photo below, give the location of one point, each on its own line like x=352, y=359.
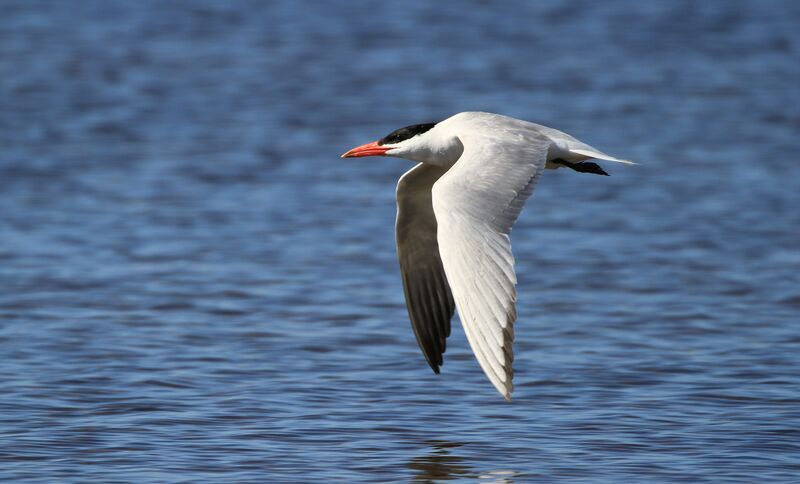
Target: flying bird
x=455, y=211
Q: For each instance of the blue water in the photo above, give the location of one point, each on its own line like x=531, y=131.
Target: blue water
x=194, y=287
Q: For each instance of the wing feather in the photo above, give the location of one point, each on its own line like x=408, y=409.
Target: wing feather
x=476, y=204
x=428, y=297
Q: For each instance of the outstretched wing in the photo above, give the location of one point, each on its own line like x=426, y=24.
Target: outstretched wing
x=476, y=204
x=428, y=297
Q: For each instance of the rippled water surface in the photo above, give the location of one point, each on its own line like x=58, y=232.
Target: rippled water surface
x=194, y=287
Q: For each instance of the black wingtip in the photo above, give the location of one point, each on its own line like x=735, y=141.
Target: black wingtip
x=435, y=364
x=583, y=167
x=590, y=167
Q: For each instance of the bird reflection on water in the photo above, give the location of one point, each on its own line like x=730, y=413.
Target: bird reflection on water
x=439, y=464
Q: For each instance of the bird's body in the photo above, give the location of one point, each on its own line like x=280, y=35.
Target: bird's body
x=455, y=210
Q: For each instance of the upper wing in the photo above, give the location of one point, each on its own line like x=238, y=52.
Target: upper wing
x=476, y=204
x=428, y=298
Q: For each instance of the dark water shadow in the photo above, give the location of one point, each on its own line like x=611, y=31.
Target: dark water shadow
x=439, y=464
x=442, y=464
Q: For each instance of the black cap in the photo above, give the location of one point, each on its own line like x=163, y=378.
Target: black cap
x=403, y=134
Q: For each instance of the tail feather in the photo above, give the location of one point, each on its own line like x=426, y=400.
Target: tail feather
x=600, y=156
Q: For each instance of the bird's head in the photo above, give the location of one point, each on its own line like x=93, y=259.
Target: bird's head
x=418, y=142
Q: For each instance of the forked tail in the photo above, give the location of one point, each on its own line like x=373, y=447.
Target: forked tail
x=600, y=156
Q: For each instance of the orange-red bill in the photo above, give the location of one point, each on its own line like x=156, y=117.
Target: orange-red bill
x=369, y=149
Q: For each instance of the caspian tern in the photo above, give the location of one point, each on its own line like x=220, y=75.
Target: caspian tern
x=455, y=210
